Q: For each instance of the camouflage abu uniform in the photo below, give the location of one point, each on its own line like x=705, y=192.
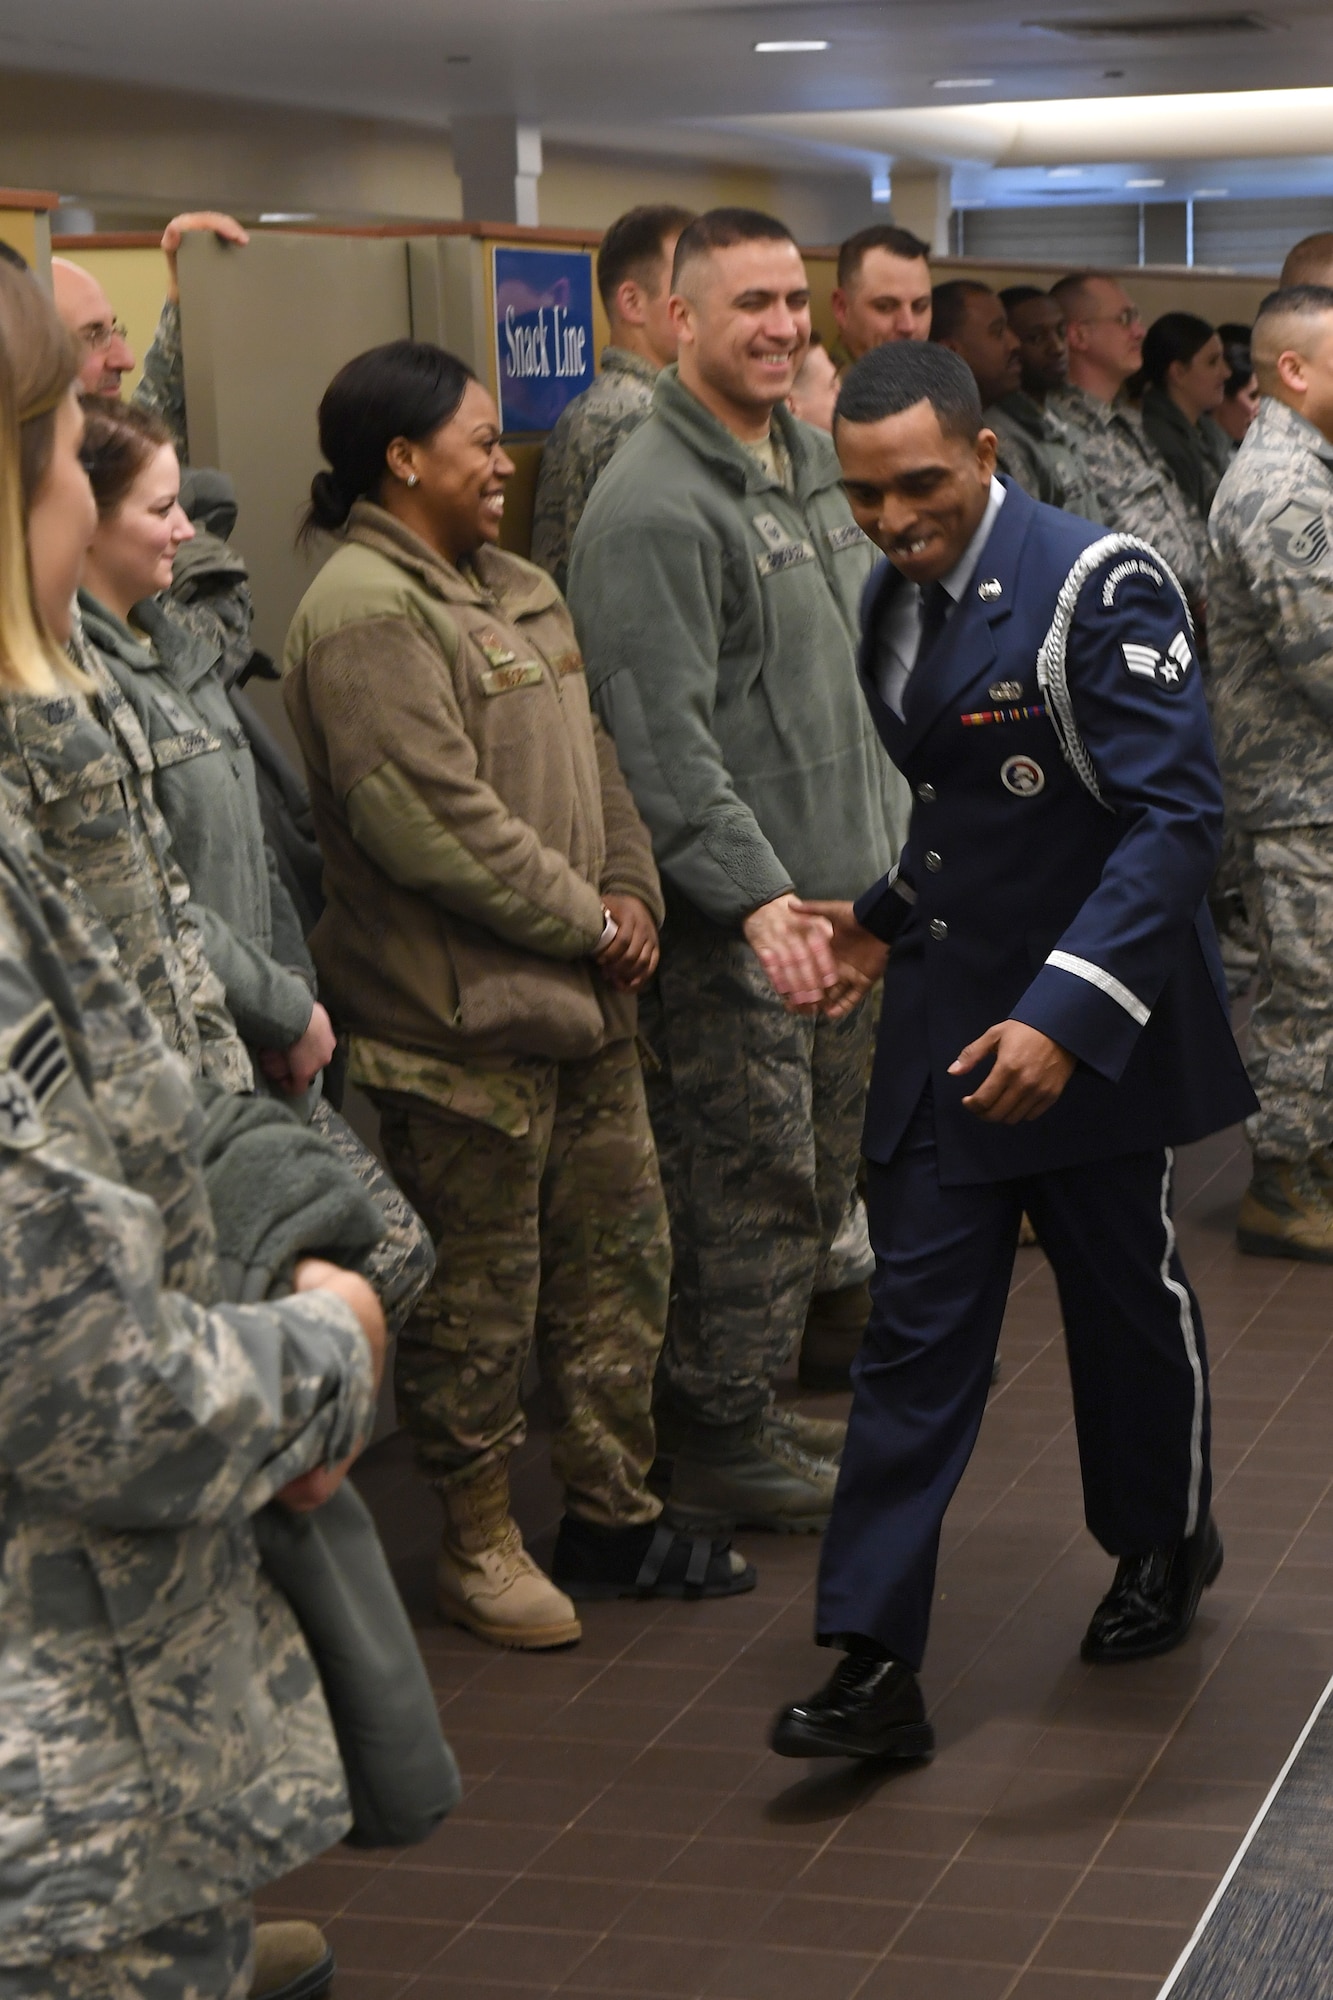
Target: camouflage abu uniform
x=163, y=1737
x=587, y=435
x=161, y=387
x=1271, y=691
x=1136, y=495
x=82, y=772
x=1037, y=451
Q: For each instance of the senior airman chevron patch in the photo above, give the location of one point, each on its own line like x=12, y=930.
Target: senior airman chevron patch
x=34, y=1062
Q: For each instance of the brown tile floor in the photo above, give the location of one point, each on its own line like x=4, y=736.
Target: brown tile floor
x=625, y=1831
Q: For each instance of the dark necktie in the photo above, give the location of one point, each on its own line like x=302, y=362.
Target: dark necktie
x=936, y=605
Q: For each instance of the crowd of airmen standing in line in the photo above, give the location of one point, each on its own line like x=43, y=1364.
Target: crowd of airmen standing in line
x=669, y=1234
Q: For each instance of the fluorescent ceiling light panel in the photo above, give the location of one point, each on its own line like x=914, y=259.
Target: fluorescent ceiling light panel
x=1145, y=184
x=962, y=83
x=789, y=48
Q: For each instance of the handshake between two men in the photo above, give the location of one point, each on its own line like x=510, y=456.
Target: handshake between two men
x=821, y=961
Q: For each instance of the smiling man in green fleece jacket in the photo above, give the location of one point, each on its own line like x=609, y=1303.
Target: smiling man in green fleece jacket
x=715, y=582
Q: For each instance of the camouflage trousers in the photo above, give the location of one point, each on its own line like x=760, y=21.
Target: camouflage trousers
x=757, y=1115
x=555, y=1236
x=400, y=1265
x=206, y=1957
x=1289, y=897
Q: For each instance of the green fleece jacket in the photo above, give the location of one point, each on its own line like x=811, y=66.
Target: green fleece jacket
x=718, y=616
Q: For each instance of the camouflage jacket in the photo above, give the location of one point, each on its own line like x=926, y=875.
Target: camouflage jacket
x=1037, y=451
x=161, y=387
x=1270, y=600
x=83, y=772
x=587, y=435
x=164, y=1742
x=203, y=782
x=1135, y=492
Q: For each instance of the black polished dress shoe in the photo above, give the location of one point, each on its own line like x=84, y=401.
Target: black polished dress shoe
x=867, y=1708
x=1151, y=1605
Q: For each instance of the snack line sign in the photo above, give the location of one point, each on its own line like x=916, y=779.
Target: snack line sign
x=543, y=333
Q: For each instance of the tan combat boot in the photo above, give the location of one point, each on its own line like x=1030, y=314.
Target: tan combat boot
x=751, y=1474
x=1287, y=1212
x=486, y=1581
x=293, y=1961
x=821, y=1437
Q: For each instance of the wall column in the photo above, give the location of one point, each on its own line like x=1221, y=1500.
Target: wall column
x=499, y=162
x=921, y=199
x=1166, y=233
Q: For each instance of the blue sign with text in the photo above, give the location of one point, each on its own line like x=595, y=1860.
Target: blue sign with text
x=543, y=334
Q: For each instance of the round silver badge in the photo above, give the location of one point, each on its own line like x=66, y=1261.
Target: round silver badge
x=1022, y=776
x=989, y=589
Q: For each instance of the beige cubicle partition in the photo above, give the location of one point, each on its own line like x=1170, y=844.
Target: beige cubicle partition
x=264, y=330
x=25, y=225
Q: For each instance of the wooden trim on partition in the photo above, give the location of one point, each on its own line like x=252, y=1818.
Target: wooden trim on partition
x=38, y=200
x=113, y=239
x=493, y=232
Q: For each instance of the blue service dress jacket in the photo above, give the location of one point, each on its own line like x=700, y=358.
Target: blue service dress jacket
x=1065, y=829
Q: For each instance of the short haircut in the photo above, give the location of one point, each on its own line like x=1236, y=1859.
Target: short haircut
x=1071, y=292
x=949, y=305
x=1305, y=301
x=632, y=247
x=1289, y=302
x=879, y=236
x=1309, y=262
x=12, y=256
x=1021, y=295
x=722, y=229
x=894, y=378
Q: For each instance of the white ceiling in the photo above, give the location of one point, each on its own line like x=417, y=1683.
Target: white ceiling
x=682, y=76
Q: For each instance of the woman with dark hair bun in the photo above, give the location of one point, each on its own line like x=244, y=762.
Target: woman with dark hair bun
x=492, y=909
x=1182, y=378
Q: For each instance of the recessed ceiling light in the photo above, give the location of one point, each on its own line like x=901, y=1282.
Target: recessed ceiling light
x=789, y=48
x=1205, y=194
x=1145, y=184
x=1064, y=174
x=288, y=215
x=962, y=83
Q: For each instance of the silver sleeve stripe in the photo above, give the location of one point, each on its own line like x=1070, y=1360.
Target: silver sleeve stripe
x=1052, y=674
x=1083, y=968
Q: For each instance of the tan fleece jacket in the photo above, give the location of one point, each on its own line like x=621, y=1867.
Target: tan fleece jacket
x=470, y=809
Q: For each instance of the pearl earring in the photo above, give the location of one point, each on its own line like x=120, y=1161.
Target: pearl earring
x=411, y=479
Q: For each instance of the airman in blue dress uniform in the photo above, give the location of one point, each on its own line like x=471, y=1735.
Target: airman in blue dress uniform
x=1054, y=1025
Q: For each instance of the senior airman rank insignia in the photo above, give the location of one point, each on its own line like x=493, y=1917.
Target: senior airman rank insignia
x=36, y=1063
x=1167, y=669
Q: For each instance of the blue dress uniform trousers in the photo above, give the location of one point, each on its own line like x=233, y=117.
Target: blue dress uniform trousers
x=944, y=1257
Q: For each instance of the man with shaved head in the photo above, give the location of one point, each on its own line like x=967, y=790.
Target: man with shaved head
x=1271, y=632
x=1136, y=494
x=1309, y=262
x=715, y=580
